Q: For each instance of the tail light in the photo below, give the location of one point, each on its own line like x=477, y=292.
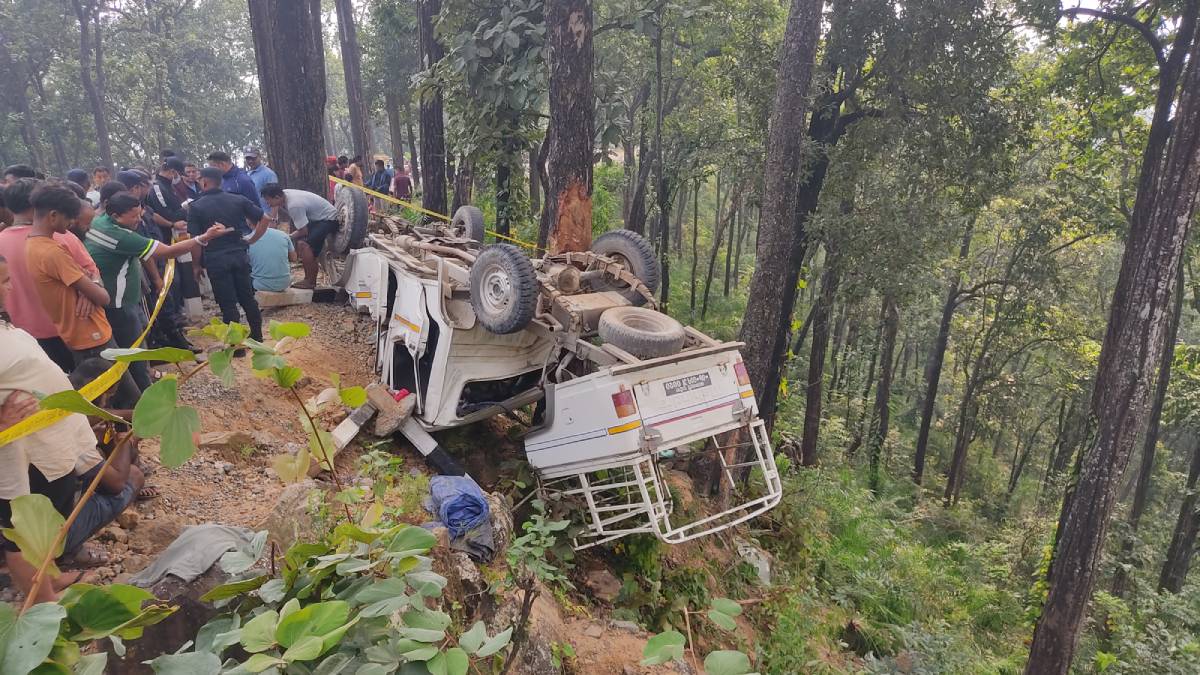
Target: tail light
x=742, y=375
x=623, y=403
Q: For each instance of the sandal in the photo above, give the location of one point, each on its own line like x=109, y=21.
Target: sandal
x=87, y=557
x=147, y=493
x=66, y=580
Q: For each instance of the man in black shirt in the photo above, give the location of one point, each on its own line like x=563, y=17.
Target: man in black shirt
x=225, y=257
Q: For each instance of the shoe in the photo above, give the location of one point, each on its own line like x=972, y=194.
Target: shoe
x=305, y=285
x=240, y=352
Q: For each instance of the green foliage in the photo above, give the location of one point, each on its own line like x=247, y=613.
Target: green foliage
x=35, y=527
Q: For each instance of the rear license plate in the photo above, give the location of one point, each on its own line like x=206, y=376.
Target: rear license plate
x=687, y=383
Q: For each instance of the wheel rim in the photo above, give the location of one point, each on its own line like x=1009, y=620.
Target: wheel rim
x=495, y=290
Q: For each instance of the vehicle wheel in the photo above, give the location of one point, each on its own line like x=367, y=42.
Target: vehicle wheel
x=351, y=206
x=635, y=254
x=642, y=332
x=504, y=289
x=468, y=223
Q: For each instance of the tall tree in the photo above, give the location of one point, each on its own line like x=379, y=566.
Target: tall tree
x=360, y=129
x=433, y=134
x=88, y=12
x=1133, y=341
x=572, y=126
x=1183, y=538
x=290, y=55
x=780, y=245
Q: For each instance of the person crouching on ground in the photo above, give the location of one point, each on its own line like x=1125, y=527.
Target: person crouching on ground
x=315, y=220
x=41, y=462
x=225, y=259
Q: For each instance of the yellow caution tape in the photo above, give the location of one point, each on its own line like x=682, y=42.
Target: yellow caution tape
x=419, y=209
x=92, y=390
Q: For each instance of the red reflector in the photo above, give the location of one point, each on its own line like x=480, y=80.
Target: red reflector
x=624, y=404
x=742, y=376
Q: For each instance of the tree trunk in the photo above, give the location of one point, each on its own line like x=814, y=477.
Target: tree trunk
x=937, y=357
x=844, y=334
x=1020, y=459
x=729, y=246
x=86, y=12
x=433, y=137
x=19, y=88
x=695, y=242
x=395, y=130
x=569, y=198
x=677, y=228
x=719, y=229
x=816, y=362
x=1183, y=539
x=664, y=192
x=290, y=55
x=412, y=145
x=637, y=205
x=503, y=192
x=1141, y=493
x=535, y=185
x=352, y=68
x=327, y=129
x=1132, y=345
x=743, y=227
x=883, y=392
x=464, y=186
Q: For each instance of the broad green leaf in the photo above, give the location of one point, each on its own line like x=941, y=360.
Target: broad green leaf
x=723, y=620
x=267, y=361
x=289, y=608
x=316, y=619
x=155, y=408
x=453, y=661
x=188, y=663
x=374, y=669
x=346, y=531
x=293, y=329
x=306, y=649
x=322, y=448
x=292, y=468
x=416, y=650
x=428, y=584
x=132, y=629
x=72, y=401
x=726, y=606
x=178, y=444
x=473, y=639
x=385, y=607
x=381, y=590
x=495, y=643
x=28, y=639
x=221, y=364
x=35, y=527
x=727, y=663
x=286, y=376
x=353, y=396
x=165, y=354
x=337, y=664
x=260, y=662
x=272, y=591
x=236, y=561
x=91, y=664
x=235, y=588
x=424, y=625
x=371, y=516
x=258, y=635
x=664, y=647
x=237, y=334
x=220, y=632
x=412, y=540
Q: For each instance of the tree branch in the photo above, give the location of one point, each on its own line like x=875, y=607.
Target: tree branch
x=1141, y=27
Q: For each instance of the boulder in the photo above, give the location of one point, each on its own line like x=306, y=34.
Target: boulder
x=391, y=413
x=292, y=518
x=602, y=584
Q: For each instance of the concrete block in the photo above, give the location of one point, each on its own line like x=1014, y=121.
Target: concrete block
x=292, y=296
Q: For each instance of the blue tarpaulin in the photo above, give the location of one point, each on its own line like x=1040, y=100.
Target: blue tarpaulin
x=458, y=503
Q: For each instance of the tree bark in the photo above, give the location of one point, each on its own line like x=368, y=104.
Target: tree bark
x=1132, y=345
x=1141, y=493
x=890, y=317
x=535, y=185
x=433, y=135
x=18, y=89
x=503, y=193
x=290, y=55
x=695, y=242
x=352, y=68
x=395, y=130
x=816, y=362
x=636, y=219
x=412, y=145
x=664, y=192
x=720, y=227
x=937, y=357
x=1183, y=538
x=86, y=12
x=572, y=125
x=464, y=187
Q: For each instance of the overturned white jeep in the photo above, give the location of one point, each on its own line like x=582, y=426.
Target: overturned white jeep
x=618, y=388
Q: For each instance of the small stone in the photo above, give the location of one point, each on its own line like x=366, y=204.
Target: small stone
x=128, y=519
x=603, y=585
x=594, y=631
x=626, y=626
x=122, y=578
x=114, y=533
x=105, y=572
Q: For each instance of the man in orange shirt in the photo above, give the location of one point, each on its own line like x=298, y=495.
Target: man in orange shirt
x=60, y=282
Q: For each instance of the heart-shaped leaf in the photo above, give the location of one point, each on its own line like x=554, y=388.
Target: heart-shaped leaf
x=664, y=647
x=315, y=619
x=726, y=606
x=189, y=663
x=292, y=468
x=286, y=376
x=723, y=620
x=221, y=364
x=157, y=414
x=35, y=527
x=72, y=401
x=727, y=663
x=292, y=329
x=27, y=639
x=495, y=643
x=412, y=540
x=306, y=648
x=473, y=639
x=258, y=635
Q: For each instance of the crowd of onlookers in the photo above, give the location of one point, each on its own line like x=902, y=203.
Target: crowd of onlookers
x=82, y=263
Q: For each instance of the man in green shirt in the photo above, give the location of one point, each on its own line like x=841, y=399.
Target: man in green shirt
x=119, y=251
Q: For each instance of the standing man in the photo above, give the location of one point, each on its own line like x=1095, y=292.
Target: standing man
x=225, y=257
x=100, y=176
x=191, y=181
x=233, y=179
x=380, y=181
x=166, y=206
x=402, y=186
x=314, y=218
x=260, y=173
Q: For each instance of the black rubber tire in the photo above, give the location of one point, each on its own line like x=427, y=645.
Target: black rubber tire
x=642, y=332
x=504, y=289
x=468, y=223
x=635, y=254
x=352, y=211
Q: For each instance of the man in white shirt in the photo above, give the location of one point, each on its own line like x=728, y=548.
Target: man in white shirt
x=315, y=220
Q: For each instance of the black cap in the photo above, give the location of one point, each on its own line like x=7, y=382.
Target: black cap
x=131, y=179
x=250, y=151
x=212, y=173
x=78, y=176
x=174, y=164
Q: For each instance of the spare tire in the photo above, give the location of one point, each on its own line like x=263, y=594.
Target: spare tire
x=635, y=254
x=351, y=206
x=642, y=332
x=504, y=289
x=468, y=223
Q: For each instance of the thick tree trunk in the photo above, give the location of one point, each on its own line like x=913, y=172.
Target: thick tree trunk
x=937, y=357
x=636, y=220
x=664, y=192
x=464, y=186
x=569, y=198
x=883, y=392
x=290, y=55
x=729, y=246
x=1133, y=343
x=412, y=145
x=395, y=130
x=1141, y=493
x=327, y=128
x=816, y=362
x=86, y=12
x=677, y=228
x=352, y=68
x=535, y=185
x=503, y=193
x=1183, y=539
x=695, y=243
x=433, y=135
x=18, y=90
